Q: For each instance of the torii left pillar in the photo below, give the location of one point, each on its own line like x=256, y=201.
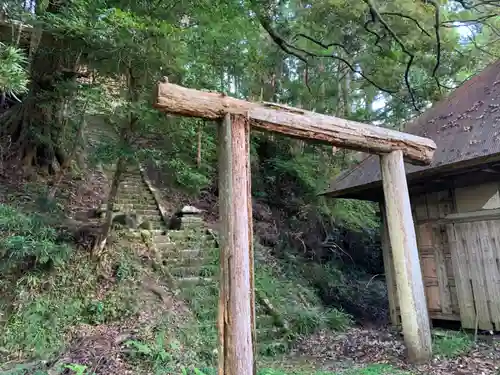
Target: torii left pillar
x=236, y=300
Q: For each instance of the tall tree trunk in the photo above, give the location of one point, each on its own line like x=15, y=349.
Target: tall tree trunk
x=35, y=126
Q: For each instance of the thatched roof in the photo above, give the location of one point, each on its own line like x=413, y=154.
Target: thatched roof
x=465, y=127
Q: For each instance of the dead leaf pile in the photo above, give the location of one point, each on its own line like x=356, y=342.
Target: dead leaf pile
x=361, y=346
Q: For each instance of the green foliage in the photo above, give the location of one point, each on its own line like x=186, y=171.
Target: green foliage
x=450, y=344
x=355, y=214
x=79, y=369
x=155, y=353
x=282, y=291
x=41, y=306
x=27, y=238
x=378, y=369
x=13, y=74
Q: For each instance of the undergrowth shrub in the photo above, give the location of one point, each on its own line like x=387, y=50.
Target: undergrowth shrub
x=298, y=305
x=40, y=307
x=27, y=240
x=451, y=344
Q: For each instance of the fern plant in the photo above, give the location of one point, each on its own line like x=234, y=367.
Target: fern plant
x=13, y=73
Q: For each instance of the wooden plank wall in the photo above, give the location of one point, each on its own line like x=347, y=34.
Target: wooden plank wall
x=435, y=256
x=459, y=255
x=476, y=260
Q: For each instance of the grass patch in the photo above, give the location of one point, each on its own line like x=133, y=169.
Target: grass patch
x=63, y=288
x=41, y=306
x=47, y=287
x=298, y=305
x=451, y=344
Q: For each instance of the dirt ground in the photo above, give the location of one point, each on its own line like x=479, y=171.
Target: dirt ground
x=359, y=346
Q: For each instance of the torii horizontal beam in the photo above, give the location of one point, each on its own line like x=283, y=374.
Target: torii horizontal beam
x=295, y=122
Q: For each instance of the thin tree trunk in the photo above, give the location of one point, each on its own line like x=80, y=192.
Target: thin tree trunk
x=125, y=138
x=120, y=168
x=77, y=146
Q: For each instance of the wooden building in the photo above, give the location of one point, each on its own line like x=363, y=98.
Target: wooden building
x=455, y=203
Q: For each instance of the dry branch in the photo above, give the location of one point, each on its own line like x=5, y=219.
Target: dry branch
x=295, y=122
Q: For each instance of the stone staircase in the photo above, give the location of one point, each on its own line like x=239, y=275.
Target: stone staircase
x=190, y=255
x=135, y=197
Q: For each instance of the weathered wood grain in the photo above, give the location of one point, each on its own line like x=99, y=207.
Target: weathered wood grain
x=441, y=271
x=236, y=309
x=410, y=287
x=489, y=243
x=473, y=247
x=461, y=272
x=295, y=122
x=389, y=270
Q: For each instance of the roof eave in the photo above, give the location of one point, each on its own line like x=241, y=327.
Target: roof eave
x=373, y=190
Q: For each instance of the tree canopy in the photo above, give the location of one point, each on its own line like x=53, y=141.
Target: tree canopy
x=367, y=60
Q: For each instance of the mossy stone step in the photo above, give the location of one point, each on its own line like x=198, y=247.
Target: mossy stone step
x=150, y=214
x=136, y=207
x=165, y=246
x=135, y=193
x=160, y=238
x=184, y=262
x=133, y=181
x=172, y=251
x=138, y=195
x=133, y=184
x=195, y=236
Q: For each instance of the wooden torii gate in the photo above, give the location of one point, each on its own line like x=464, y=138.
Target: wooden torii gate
x=236, y=321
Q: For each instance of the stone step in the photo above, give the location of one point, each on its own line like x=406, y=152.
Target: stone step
x=135, y=196
x=203, y=271
x=161, y=239
x=132, y=180
x=157, y=232
x=172, y=251
x=135, y=199
x=154, y=219
x=133, y=186
x=165, y=246
x=137, y=193
x=182, y=261
x=157, y=225
x=133, y=207
x=153, y=214
x=188, y=234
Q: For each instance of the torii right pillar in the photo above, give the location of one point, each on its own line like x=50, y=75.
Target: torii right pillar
x=408, y=275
